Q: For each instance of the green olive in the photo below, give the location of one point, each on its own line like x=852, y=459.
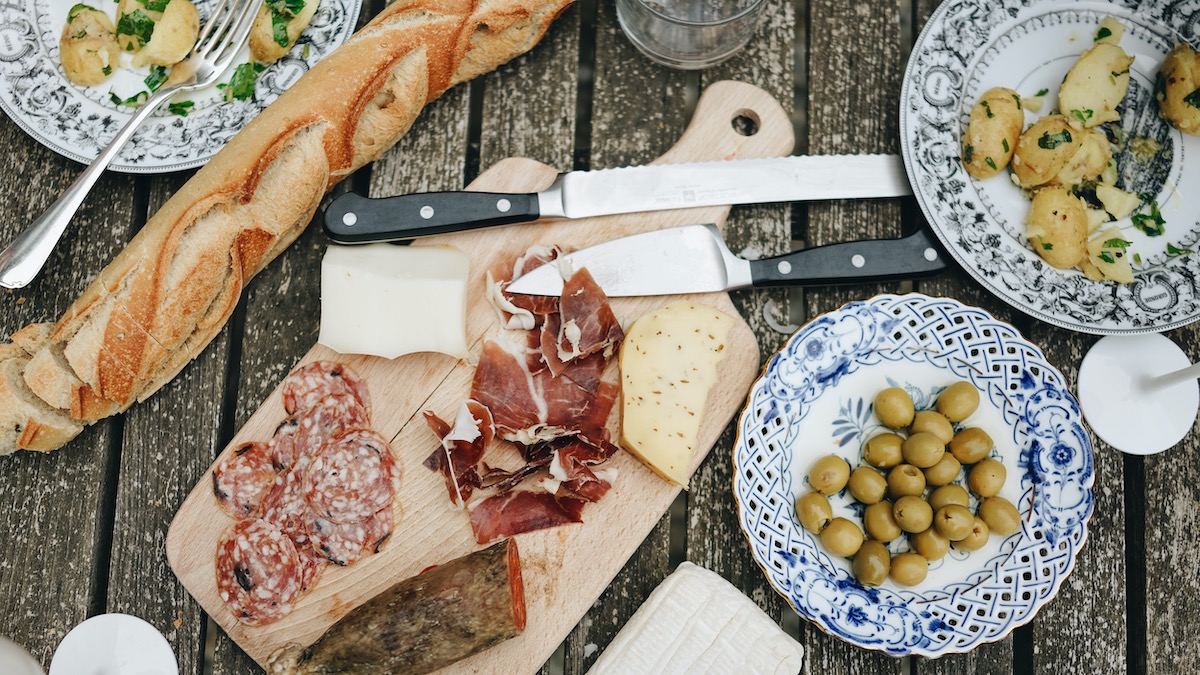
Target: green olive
x=933, y=422
x=829, y=474
x=987, y=477
x=929, y=543
x=923, y=449
x=954, y=522
x=977, y=538
x=872, y=563
x=884, y=451
x=1000, y=515
x=894, y=407
x=814, y=512
x=958, y=401
x=944, y=472
x=971, y=445
x=909, y=569
x=842, y=537
x=947, y=495
x=881, y=522
x=913, y=514
x=867, y=485
x=905, y=479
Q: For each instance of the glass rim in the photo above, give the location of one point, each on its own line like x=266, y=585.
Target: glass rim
x=753, y=6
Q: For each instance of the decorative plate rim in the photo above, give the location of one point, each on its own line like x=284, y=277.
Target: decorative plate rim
x=910, y=90
x=1035, y=603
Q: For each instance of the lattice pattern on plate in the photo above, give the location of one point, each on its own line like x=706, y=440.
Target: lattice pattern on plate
x=985, y=596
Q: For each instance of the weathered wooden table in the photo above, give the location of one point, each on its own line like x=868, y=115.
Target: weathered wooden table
x=84, y=527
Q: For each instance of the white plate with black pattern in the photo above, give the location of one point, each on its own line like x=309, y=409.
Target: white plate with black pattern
x=77, y=122
x=969, y=46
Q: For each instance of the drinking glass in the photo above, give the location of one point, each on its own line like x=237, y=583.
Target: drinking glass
x=689, y=34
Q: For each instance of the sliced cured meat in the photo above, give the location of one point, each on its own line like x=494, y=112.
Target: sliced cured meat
x=520, y=311
x=285, y=507
x=345, y=543
x=522, y=511
x=589, y=325
x=581, y=413
x=258, y=572
x=243, y=479
x=353, y=476
x=574, y=477
x=461, y=448
x=305, y=386
x=503, y=383
x=331, y=415
x=282, y=444
x=311, y=565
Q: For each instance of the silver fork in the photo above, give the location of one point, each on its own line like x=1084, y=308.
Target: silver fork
x=217, y=45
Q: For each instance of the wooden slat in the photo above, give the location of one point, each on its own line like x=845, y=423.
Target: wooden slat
x=637, y=114
x=1172, y=482
x=855, y=60
x=1083, y=629
x=57, y=505
x=168, y=442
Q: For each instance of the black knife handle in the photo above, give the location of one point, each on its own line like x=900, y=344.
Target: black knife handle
x=355, y=219
x=852, y=262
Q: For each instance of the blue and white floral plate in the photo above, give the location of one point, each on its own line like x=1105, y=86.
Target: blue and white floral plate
x=970, y=46
x=815, y=398
x=77, y=122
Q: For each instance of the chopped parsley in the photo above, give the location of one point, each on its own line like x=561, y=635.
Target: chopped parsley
x=1152, y=224
x=81, y=7
x=968, y=153
x=988, y=108
x=304, y=52
x=241, y=85
x=1083, y=115
x=156, y=5
x=156, y=78
x=1049, y=141
x=1103, y=33
x=991, y=163
x=1017, y=98
x=1004, y=142
x=181, y=108
x=135, y=100
x=1173, y=250
x=1117, y=243
x=136, y=24
x=1137, y=258
x=107, y=70
x=1160, y=87
x=1047, y=246
x=1107, y=257
x=1042, y=92
x=1193, y=99
x=282, y=13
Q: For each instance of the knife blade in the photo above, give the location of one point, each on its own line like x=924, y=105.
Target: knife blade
x=355, y=219
x=695, y=259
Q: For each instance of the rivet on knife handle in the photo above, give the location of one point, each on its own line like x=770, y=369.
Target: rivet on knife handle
x=852, y=262
x=354, y=219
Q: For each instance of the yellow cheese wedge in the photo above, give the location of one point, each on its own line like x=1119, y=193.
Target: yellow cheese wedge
x=388, y=301
x=668, y=366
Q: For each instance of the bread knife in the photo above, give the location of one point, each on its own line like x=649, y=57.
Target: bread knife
x=695, y=259
x=355, y=219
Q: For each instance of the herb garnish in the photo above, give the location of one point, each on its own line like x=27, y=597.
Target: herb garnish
x=1049, y=141
x=77, y=9
x=1004, y=142
x=1193, y=99
x=1017, y=98
x=282, y=13
x=1152, y=224
x=1173, y=250
x=988, y=108
x=1117, y=243
x=135, y=100
x=1107, y=257
x=241, y=85
x=136, y=24
x=1137, y=258
x=1103, y=33
x=156, y=5
x=1083, y=115
x=1047, y=246
x=181, y=108
x=107, y=70
x=158, y=75
x=968, y=153
x=1042, y=92
x=990, y=163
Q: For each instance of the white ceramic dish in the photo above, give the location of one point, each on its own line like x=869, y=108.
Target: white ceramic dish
x=815, y=398
x=77, y=122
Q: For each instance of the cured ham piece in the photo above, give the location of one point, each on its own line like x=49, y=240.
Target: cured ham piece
x=522, y=511
x=520, y=311
x=588, y=325
x=504, y=384
x=462, y=447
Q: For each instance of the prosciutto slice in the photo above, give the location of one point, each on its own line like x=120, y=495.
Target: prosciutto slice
x=521, y=511
x=520, y=311
x=462, y=447
x=588, y=325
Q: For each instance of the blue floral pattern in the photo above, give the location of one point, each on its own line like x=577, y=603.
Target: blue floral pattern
x=818, y=366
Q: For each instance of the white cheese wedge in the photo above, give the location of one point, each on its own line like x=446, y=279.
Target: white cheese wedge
x=668, y=366
x=388, y=301
x=696, y=622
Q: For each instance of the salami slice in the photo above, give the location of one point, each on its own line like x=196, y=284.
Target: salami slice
x=308, y=384
x=243, y=479
x=285, y=507
x=345, y=543
x=352, y=477
x=329, y=416
x=258, y=572
x=282, y=445
x=311, y=565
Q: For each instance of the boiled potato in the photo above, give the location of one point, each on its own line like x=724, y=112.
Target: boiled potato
x=135, y=24
x=1117, y=202
x=1058, y=227
x=1089, y=161
x=992, y=133
x=1107, y=253
x=1095, y=85
x=1178, y=89
x=88, y=46
x=1044, y=150
x=173, y=37
x=292, y=16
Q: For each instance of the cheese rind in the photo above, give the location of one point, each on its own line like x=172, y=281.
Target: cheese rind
x=668, y=366
x=696, y=622
x=388, y=301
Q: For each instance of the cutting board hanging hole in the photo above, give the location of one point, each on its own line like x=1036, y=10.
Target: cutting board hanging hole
x=746, y=122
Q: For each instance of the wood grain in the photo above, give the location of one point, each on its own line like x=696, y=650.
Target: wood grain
x=565, y=568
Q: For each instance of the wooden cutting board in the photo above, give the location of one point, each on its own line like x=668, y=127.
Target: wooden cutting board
x=565, y=569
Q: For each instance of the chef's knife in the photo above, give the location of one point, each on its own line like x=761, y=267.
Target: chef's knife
x=354, y=219
x=695, y=259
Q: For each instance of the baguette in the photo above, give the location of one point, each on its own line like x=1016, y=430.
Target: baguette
x=164, y=297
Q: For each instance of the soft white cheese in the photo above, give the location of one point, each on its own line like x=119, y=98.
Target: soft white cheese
x=696, y=622
x=388, y=300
